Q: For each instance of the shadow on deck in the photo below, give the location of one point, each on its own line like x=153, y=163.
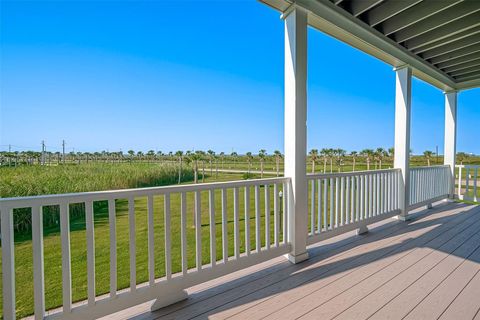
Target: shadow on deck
x=425, y=268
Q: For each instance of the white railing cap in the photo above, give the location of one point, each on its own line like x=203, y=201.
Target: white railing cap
x=55, y=199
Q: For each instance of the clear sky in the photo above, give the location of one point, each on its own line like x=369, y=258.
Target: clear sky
x=193, y=75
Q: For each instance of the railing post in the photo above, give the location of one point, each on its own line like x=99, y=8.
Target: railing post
x=403, y=78
x=450, y=136
x=296, y=129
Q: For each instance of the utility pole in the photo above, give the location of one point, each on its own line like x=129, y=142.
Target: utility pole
x=43, y=153
x=9, y=148
x=63, y=151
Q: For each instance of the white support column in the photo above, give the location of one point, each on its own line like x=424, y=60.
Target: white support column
x=296, y=130
x=403, y=93
x=450, y=147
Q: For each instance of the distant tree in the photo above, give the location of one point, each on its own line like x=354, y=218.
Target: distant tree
x=339, y=155
x=234, y=156
x=428, y=155
x=262, y=154
x=278, y=157
x=354, y=155
x=194, y=157
x=380, y=153
x=249, y=161
x=222, y=157
x=391, y=153
x=179, y=155
x=368, y=154
x=202, y=159
x=151, y=155
x=131, y=154
x=313, y=158
x=211, y=156
x=461, y=156
x=324, y=154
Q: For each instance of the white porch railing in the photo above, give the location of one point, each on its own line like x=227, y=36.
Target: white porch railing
x=269, y=241
x=341, y=202
x=469, y=191
x=338, y=203
x=428, y=184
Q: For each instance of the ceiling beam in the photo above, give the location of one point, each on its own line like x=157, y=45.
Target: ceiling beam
x=444, y=31
x=468, y=84
x=462, y=43
x=457, y=61
x=472, y=76
x=442, y=18
x=387, y=10
x=449, y=40
x=414, y=14
x=461, y=66
x=358, y=7
x=456, y=54
x=463, y=72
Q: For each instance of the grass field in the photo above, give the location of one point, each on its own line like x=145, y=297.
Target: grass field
x=34, y=180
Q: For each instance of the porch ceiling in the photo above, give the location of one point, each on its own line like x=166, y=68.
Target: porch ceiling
x=440, y=39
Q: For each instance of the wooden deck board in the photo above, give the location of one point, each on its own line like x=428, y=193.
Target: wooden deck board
x=421, y=269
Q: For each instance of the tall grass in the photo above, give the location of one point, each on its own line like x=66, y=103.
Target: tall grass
x=39, y=180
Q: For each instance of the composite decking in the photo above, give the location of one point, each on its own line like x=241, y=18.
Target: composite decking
x=427, y=268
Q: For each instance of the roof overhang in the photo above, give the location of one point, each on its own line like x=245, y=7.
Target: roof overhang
x=447, y=59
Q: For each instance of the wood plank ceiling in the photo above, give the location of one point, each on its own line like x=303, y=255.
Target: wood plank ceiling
x=444, y=33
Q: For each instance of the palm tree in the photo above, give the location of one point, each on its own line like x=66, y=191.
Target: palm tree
x=211, y=155
x=179, y=155
x=391, y=153
x=461, y=156
x=194, y=157
x=151, y=154
x=313, y=157
x=380, y=153
x=262, y=154
x=354, y=154
x=339, y=154
x=249, y=156
x=368, y=154
x=330, y=154
x=222, y=157
x=234, y=156
x=201, y=155
x=324, y=154
x=428, y=155
x=278, y=157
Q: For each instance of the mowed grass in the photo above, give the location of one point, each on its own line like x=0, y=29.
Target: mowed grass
x=52, y=245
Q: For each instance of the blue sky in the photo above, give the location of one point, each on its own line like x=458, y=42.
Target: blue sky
x=193, y=75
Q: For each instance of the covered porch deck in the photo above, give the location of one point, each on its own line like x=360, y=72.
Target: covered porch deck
x=428, y=268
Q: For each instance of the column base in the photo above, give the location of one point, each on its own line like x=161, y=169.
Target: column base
x=363, y=229
x=404, y=217
x=166, y=300
x=298, y=258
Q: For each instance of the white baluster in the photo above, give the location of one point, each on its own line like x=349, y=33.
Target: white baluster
x=38, y=270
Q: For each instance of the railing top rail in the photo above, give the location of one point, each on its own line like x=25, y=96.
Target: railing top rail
x=311, y=176
x=430, y=167
x=473, y=166
x=53, y=199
